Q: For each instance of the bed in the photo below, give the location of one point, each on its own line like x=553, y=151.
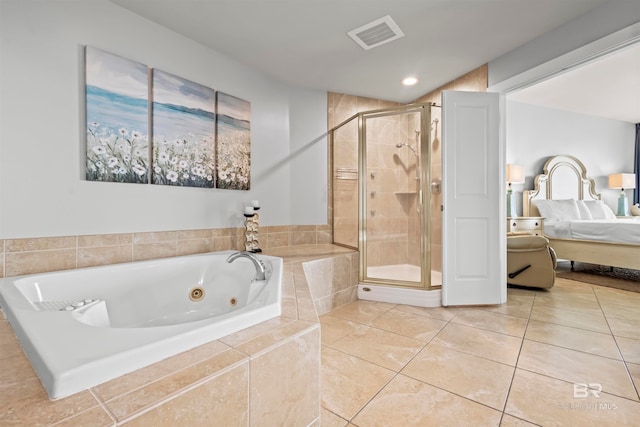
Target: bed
x=592, y=234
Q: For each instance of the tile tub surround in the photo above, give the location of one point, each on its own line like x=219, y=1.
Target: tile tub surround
x=265, y=375
x=40, y=255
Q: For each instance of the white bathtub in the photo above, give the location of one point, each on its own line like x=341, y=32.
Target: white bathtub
x=80, y=328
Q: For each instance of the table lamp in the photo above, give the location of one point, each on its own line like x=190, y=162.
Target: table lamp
x=622, y=181
x=515, y=175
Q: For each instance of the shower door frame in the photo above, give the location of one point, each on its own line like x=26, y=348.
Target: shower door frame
x=423, y=194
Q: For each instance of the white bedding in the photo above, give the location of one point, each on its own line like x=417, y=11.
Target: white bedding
x=604, y=230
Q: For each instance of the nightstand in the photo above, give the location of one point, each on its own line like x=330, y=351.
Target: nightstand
x=529, y=224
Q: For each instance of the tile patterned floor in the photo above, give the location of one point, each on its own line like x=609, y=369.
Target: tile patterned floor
x=525, y=363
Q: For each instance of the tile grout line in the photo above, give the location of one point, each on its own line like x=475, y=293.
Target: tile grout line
x=515, y=367
x=624, y=362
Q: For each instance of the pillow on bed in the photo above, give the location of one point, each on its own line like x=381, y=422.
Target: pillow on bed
x=599, y=210
x=558, y=209
x=585, y=213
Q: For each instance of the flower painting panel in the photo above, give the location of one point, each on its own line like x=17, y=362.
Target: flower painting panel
x=233, y=144
x=117, y=146
x=183, y=132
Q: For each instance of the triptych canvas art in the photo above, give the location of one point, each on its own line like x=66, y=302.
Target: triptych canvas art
x=149, y=126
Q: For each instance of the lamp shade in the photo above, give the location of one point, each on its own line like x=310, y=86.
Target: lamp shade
x=515, y=174
x=622, y=180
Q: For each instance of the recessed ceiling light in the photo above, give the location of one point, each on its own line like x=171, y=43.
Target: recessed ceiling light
x=409, y=81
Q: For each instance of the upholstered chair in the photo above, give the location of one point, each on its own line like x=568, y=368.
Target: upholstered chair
x=530, y=261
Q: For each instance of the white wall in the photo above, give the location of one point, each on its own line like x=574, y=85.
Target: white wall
x=308, y=156
x=42, y=192
x=536, y=133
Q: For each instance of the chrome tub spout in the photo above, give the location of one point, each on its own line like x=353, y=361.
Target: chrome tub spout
x=257, y=263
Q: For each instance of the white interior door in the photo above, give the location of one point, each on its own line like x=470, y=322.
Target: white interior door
x=473, y=189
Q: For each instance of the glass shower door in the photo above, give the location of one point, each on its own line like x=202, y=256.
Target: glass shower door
x=395, y=230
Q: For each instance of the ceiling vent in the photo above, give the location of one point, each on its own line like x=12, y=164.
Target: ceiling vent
x=376, y=33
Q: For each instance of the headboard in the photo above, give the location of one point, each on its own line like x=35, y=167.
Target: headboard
x=563, y=177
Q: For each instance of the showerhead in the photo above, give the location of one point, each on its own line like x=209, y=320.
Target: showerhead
x=399, y=145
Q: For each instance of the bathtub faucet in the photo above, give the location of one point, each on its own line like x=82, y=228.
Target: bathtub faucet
x=257, y=263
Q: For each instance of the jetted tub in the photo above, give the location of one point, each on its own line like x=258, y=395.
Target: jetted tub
x=80, y=328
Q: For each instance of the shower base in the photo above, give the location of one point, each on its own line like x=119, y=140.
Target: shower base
x=404, y=272
x=400, y=295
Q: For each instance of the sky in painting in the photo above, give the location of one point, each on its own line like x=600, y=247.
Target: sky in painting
x=234, y=107
x=170, y=89
x=116, y=74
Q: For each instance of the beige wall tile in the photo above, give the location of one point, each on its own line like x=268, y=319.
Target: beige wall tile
x=40, y=244
x=302, y=228
x=39, y=262
x=277, y=240
x=275, y=229
x=105, y=240
x=194, y=246
x=324, y=237
x=146, y=251
x=303, y=238
x=285, y=383
x=106, y=255
x=223, y=243
x=193, y=234
x=159, y=236
x=222, y=400
x=220, y=232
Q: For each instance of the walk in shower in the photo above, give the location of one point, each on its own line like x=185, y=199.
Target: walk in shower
x=386, y=170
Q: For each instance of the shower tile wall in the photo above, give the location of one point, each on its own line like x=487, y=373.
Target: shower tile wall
x=391, y=175
x=345, y=210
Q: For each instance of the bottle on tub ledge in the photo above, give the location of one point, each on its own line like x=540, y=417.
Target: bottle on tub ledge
x=251, y=241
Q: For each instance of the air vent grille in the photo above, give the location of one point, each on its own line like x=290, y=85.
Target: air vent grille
x=376, y=33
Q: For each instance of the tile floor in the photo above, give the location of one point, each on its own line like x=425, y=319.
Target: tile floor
x=528, y=362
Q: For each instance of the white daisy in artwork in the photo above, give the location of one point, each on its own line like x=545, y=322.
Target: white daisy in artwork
x=172, y=176
x=113, y=162
x=123, y=132
x=135, y=134
x=163, y=156
x=99, y=149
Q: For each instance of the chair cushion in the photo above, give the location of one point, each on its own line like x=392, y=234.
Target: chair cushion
x=526, y=242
